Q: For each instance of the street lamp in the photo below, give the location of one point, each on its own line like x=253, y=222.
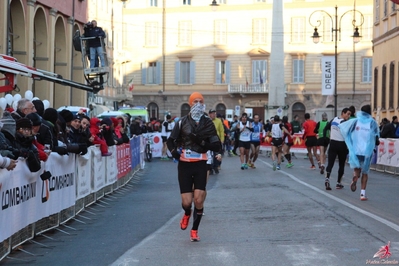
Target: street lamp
x=356, y=38
x=214, y=5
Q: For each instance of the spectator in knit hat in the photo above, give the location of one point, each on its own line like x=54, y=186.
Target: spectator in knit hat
x=24, y=107
x=51, y=116
x=6, y=162
x=42, y=130
x=6, y=146
x=68, y=116
x=41, y=148
x=39, y=106
x=8, y=129
x=108, y=131
x=77, y=141
x=24, y=142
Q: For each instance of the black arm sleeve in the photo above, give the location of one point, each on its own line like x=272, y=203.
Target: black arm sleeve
x=327, y=127
x=316, y=130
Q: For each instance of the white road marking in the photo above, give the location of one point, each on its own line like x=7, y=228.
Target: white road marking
x=127, y=258
x=353, y=207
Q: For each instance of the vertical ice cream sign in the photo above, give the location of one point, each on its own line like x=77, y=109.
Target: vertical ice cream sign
x=328, y=75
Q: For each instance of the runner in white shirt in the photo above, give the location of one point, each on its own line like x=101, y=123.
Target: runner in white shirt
x=277, y=131
x=244, y=143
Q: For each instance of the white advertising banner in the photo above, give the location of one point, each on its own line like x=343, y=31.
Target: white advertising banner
x=328, y=75
x=97, y=170
x=58, y=192
x=83, y=174
x=111, y=167
x=20, y=194
x=155, y=142
x=386, y=153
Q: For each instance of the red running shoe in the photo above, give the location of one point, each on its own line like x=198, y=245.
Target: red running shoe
x=194, y=236
x=184, y=221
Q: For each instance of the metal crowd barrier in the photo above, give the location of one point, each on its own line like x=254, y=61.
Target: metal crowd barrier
x=53, y=221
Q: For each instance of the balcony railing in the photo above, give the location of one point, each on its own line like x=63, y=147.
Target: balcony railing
x=248, y=89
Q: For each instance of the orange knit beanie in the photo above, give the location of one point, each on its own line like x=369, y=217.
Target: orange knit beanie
x=193, y=96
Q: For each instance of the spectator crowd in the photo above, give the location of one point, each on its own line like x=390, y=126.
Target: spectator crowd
x=33, y=132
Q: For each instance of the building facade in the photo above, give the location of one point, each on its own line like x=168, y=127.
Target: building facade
x=40, y=34
x=181, y=46
x=385, y=100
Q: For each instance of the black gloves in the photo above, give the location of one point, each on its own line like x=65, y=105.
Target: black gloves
x=46, y=175
x=194, y=138
x=24, y=153
x=82, y=148
x=60, y=150
x=176, y=154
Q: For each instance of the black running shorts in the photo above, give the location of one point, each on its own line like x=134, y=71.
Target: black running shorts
x=244, y=144
x=311, y=141
x=277, y=142
x=164, y=139
x=255, y=143
x=190, y=173
x=323, y=141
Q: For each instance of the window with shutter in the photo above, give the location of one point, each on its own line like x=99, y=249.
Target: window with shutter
x=298, y=29
x=259, y=71
x=385, y=8
x=384, y=88
x=391, y=84
x=367, y=70
x=151, y=34
x=221, y=72
x=185, y=33
x=152, y=73
x=220, y=32
x=184, y=72
x=298, y=71
x=259, y=31
x=153, y=2
x=377, y=11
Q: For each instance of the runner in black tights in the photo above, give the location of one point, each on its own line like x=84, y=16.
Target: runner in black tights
x=337, y=148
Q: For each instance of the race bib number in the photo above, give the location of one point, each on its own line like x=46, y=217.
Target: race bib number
x=189, y=154
x=245, y=133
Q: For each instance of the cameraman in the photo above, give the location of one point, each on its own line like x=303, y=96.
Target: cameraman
x=96, y=50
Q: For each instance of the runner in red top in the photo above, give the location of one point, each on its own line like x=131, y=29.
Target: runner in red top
x=310, y=138
x=288, y=141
